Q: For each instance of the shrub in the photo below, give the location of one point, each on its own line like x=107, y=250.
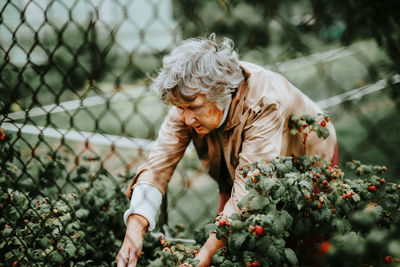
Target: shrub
x=303, y=212
x=51, y=216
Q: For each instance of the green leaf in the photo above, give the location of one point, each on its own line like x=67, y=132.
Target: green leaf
x=291, y=256
x=234, y=217
x=56, y=257
x=245, y=172
x=341, y=224
x=278, y=225
x=267, y=184
x=273, y=252
x=299, y=200
x=306, y=184
x=289, y=164
x=70, y=249
x=243, y=203
x=44, y=242
x=279, y=193
x=7, y=232
x=282, y=167
x=227, y=263
x=82, y=213
x=258, y=203
x=211, y=227
x=326, y=214
x=322, y=132
x=252, y=242
x=217, y=259
x=265, y=168
x=356, y=197
x=238, y=239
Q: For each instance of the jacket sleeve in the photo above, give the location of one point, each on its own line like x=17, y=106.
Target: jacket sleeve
x=262, y=139
x=168, y=150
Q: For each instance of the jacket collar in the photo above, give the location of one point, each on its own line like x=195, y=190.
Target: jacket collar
x=237, y=104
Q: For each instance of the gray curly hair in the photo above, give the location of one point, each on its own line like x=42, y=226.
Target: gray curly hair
x=200, y=66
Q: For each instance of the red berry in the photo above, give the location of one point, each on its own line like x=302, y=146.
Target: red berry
x=398, y=186
x=324, y=248
x=320, y=205
x=167, y=250
x=382, y=181
x=248, y=264
x=163, y=242
x=388, y=259
x=15, y=263
x=254, y=179
x=255, y=264
x=323, y=123
x=222, y=223
x=372, y=188
x=344, y=196
x=327, y=119
x=384, y=168
x=259, y=230
x=348, y=194
x=325, y=182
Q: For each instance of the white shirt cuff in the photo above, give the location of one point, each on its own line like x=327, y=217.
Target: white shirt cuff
x=145, y=201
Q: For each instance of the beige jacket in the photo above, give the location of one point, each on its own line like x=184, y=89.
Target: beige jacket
x=256, y=128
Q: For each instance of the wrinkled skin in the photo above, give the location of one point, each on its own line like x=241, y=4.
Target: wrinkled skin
x=200, y=114
x=133, y=241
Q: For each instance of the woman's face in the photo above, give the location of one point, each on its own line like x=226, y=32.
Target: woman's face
x=200, y=114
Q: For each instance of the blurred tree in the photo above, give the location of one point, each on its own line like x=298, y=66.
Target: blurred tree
x=250, y=24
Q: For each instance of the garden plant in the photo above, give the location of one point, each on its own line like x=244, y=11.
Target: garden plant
x=300, y=211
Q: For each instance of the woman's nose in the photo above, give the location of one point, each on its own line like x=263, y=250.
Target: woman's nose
x=189, y=119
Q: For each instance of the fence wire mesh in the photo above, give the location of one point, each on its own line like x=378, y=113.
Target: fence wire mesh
x=78, y=112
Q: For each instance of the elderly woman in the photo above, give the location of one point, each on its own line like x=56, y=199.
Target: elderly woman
x=235, y=113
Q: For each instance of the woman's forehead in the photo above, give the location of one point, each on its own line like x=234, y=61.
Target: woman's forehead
x=198, y=100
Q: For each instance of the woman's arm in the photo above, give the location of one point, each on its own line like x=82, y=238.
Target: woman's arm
x=133, y=241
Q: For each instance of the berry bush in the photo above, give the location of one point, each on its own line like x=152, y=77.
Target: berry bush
x=54, y=217
x=298, y=212
x=303, y=212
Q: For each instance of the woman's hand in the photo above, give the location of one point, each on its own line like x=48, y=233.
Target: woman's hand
x=208, y=250
x=133, y=241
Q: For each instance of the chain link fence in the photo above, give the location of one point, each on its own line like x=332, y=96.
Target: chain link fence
x=78, y=112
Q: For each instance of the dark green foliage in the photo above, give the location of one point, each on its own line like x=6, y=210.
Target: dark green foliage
x=247, y=23
x=298, y=213
x=44, y=226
